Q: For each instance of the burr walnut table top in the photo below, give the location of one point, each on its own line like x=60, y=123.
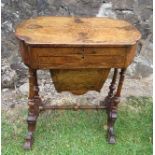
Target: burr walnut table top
x=76, y=31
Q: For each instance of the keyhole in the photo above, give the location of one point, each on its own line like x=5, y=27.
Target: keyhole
x=82, y=56
x=82, y=53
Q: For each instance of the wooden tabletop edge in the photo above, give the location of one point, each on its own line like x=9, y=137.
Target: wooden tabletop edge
x=75, y=45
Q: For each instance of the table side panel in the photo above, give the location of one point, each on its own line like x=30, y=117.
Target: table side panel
x=130, y=54
x=23, y=50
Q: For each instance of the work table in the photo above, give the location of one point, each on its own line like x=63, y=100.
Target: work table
x=79, y=53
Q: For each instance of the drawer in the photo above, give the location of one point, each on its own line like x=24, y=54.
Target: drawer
x=66, y=58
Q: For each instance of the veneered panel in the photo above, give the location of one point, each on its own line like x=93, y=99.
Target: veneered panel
x=79, y=81
x=76, y=31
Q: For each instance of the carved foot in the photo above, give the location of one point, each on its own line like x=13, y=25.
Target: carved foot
x=28, y=141
x=31, y=120
x=112, y=115
x=111, y=136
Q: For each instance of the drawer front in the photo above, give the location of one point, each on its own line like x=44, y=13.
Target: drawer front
x=78, y=57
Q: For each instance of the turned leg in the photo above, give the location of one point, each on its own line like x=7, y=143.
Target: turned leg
x=33, y=111
x=112, y=87
x=112, y=109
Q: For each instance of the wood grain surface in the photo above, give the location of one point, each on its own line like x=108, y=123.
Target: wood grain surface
x=67, y=58
x=76, y=31
x=79, y=52
x=79, y=81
